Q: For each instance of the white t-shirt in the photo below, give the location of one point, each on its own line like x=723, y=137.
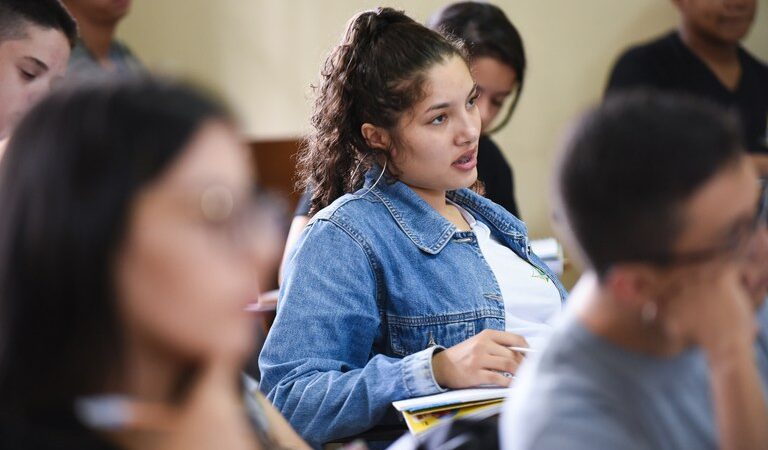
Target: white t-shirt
x=531, y=300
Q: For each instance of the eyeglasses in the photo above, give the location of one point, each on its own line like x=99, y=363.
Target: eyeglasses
x=735, y=245
x=240, y=221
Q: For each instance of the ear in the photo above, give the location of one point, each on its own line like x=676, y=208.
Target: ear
x=376, y=137
x=633, y=285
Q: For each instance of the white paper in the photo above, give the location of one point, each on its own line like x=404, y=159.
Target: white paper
x=450, y=398
x=547, y=248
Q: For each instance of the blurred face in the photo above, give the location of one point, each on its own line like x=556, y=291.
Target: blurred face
x=495, y=83
x=28, y=68
x=188, y=266
x=436, y=145
x=721, y=21
x=720, y=223
x=99, y=11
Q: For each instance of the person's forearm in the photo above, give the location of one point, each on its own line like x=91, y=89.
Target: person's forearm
x=324, y=400
x=740, y=410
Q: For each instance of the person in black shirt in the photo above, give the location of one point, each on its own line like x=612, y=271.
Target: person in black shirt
x=704, y=58
x=498, y=65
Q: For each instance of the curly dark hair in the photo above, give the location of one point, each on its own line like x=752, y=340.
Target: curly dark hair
x=487, y=32
x=375, y=74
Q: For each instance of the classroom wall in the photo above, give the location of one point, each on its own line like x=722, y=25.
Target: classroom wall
x=262, y=56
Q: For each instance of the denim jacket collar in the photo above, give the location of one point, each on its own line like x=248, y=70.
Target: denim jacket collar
x=423, y=225
x=492, y=213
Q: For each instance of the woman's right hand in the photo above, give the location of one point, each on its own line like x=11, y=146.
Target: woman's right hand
x=712, y=311
x=479, y=360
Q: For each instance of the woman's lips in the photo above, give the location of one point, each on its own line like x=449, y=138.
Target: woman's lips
x=466, y=161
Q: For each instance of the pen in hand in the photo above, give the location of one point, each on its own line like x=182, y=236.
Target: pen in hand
x=522, y=349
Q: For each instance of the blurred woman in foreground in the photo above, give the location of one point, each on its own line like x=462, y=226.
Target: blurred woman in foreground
x=128, y=252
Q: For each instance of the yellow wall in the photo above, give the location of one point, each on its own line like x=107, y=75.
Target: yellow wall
x=262, y=55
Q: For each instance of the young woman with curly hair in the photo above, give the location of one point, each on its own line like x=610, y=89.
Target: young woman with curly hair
x=406, y=282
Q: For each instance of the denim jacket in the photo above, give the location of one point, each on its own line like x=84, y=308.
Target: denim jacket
x=377, y=281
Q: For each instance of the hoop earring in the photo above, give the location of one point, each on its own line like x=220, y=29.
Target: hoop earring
x=359, y=163
x=649, y=312
x=377, y=179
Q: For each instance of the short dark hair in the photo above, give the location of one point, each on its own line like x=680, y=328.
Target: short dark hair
x=630, y=164
x=68, y=181
x=16, y=15
x=487, y=32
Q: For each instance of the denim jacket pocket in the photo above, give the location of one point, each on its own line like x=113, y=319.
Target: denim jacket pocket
x=409, y=335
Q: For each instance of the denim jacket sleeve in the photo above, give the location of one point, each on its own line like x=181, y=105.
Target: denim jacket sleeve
x=319, y=366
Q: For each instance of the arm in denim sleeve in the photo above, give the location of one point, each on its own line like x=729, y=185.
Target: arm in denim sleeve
x=318, y=364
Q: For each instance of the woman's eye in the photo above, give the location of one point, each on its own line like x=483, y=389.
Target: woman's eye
x=439, y=119
x=473, y=101
x=28, y=76
x=497, y=102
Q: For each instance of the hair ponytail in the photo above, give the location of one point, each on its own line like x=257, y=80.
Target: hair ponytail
x=372, y=76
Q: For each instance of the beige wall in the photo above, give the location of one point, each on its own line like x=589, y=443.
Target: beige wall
x=262, y=55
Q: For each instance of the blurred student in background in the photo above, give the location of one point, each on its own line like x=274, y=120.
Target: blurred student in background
x=497, y=60
x=406, y=282
x=98, y=52
x=704, y=57
x=128, y=252
x=35, y=41
x=658, y=349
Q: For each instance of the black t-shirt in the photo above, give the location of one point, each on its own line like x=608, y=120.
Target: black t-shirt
x=492, y=169
x=496, y=173
x=668, y=64
x=302, y=208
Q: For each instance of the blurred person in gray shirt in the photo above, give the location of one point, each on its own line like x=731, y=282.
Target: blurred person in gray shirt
x=660, y=347
x=98, y=53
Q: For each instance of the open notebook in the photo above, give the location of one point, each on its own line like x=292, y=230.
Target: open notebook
x=423, y=413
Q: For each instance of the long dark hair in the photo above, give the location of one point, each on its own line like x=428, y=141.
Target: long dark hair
x=375, y=74
x=487, y=32
x=68, y=181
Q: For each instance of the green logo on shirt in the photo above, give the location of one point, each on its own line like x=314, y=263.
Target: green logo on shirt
x=538, y=273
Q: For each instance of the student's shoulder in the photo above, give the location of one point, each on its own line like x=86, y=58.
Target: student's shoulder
x=583, y=426
x=557, y=408
x=646, y=64
x=753, y=64
x=565, y=399
x=573, y=365
x=658, y=49
x=354, y=206
x=560, y=369
x=352, y=214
